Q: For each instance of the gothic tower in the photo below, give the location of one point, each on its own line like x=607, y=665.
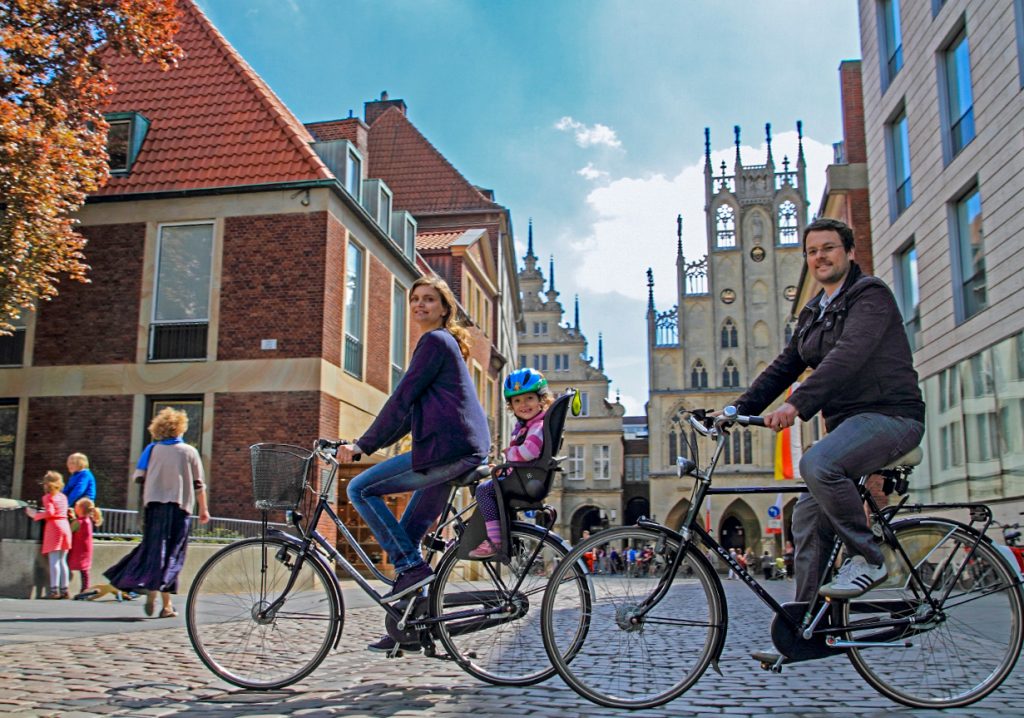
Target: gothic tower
x=731, y=320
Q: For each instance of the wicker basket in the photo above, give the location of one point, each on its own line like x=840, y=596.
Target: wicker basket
x=280, y=474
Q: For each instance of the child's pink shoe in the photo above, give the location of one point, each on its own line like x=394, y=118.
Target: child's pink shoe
x=486, y=549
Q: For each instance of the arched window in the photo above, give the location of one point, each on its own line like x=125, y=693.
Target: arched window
x=761, y=335
x=672, y=448
x=748, y=447
x=730, y=337
x=725, y=225
x=787, y=224
x=698, y=376
x=759, y=293
x=730, y=374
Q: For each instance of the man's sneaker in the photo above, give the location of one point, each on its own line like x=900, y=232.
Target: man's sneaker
x=855, y=577
x=386, y=644
x=409, y=581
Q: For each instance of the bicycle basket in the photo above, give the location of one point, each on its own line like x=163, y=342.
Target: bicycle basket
x=279, y=475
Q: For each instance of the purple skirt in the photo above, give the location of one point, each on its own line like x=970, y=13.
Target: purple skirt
x=155, y=563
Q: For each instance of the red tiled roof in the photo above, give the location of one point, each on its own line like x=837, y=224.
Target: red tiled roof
x=422, y=180
x=346, y=129
x=436, y=240
x=213, y=121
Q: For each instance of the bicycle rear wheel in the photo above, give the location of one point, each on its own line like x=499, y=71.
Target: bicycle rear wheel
x=493, y=608
x=620, y=660
x=230, y=630
x=952, y=656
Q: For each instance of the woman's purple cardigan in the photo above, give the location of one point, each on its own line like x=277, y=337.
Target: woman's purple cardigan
x=437, y=402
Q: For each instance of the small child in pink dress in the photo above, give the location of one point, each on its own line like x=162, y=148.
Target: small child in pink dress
x=88, y=517
x=56, y=532
x=528, y=397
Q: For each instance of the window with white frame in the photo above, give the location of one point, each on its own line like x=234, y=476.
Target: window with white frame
x=354, y=288
x=561, y=362
x=181, y=298
x=399, y=333
x=540, y=362
x=354, y=173
x=574, y=463
x=584, y=403
x=956, y=66
x=602, y=461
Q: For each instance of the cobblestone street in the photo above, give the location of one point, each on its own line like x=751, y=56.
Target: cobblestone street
x=106, y=659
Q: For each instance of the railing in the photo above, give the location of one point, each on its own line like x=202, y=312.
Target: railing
x=125, y=523
x=353, y=356
x=180, y=340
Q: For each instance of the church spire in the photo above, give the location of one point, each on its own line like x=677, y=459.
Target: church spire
x=800, y=142
x=650, y=289
x=679, y=236
x=600, y=351
x=768, y=139
x=707, y=149
x=736, y=132
x=576, y=317
x=551, y=273
x=529, y=240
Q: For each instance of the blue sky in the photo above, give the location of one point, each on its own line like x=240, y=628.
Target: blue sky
x=586, y=115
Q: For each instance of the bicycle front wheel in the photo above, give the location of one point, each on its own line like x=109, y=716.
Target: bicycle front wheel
x=489, y=611
x=627, y=657
x=235, y=634
x=955, y=653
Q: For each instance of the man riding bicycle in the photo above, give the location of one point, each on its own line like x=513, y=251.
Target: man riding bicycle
x=864, y=384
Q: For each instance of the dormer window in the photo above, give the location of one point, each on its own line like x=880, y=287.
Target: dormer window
x=125, y=135
x=378, y=199
x=353, y=171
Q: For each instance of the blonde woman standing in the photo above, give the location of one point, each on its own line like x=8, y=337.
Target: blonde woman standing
x=172, y=475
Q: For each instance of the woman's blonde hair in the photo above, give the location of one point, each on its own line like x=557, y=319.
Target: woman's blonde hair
x=168, y=424
x=88, y=507
x=53, y=478
x=450, y=320
x=79, y=460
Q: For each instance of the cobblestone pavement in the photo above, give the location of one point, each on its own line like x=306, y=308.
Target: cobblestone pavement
x=111, y=662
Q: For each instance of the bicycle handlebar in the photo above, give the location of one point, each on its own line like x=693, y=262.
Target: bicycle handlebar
x=329, y=447
x=709, y=425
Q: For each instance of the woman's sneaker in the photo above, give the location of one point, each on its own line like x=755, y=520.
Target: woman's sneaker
x=486, y=549
x=855, y=577
x=409, y=581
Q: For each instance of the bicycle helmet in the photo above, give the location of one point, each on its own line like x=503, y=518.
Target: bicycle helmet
x=523, y=381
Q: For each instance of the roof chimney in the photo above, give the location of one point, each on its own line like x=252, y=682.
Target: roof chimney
x=375, y=108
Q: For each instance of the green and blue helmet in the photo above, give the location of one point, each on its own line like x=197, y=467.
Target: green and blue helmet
x=524, y=381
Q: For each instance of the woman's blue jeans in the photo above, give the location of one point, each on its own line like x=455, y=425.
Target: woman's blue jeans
x=401, y=538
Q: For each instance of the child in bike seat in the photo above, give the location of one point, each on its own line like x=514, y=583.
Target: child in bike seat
x=528, y=397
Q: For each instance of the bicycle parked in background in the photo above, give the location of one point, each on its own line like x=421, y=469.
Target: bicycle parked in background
x=944, y=630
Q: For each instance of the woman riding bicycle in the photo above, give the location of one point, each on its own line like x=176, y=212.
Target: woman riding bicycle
x=437, y=402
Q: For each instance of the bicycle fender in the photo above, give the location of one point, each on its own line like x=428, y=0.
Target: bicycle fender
x=540, y=532
x=332, y=586
x=1004, y=551
x=698, y=557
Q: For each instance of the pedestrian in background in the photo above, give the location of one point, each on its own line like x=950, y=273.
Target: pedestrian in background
x=767, y=565
x=87, y=516
x=172, y=475
x=81, y=482
x=56, y=532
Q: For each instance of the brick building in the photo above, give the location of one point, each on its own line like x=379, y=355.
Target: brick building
x=241, y=270
x=482, y=272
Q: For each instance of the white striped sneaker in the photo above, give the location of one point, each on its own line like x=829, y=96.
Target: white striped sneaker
x=855, y=577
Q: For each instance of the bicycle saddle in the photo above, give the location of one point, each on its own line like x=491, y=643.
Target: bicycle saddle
x=477, y=473
x=911, y=458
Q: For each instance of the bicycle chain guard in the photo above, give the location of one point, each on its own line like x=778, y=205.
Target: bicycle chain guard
x=410, y=634
x=788, y=639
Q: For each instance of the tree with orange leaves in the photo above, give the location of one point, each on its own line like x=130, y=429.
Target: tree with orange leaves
x=52, y=132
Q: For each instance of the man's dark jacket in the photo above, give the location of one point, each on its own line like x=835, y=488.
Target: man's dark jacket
x=860, y=355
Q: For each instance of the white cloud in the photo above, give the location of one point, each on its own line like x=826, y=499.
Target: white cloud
x=635, y=228
x=591, y=173
x=588, y=136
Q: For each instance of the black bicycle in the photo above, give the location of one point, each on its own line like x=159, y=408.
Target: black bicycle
x=944, y=630
x=264, y=612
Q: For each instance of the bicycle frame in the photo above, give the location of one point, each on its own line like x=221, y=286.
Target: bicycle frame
x=690, y=531
x=307, y=538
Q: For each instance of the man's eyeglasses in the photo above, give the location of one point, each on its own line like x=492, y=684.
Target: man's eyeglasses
x=824, y=249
